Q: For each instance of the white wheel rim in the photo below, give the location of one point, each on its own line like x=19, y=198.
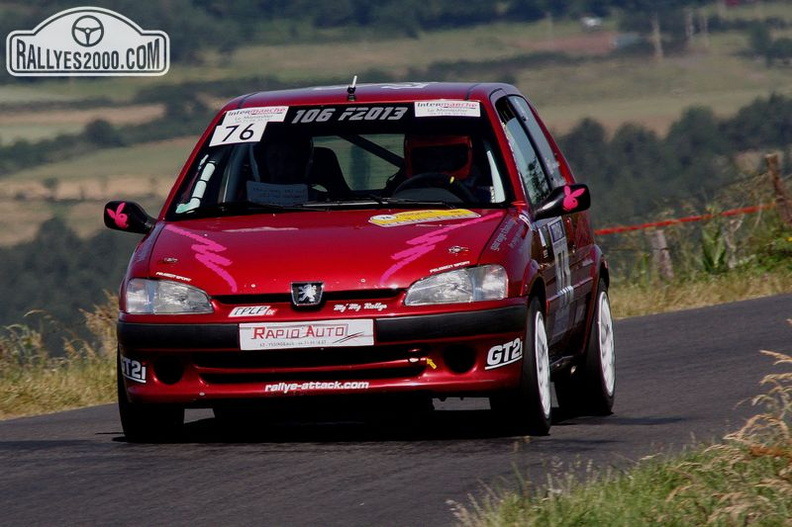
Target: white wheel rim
x=607, y=348
x=542, y=355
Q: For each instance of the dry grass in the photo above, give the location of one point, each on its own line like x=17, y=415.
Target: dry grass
x=744, y=480
x=33, y=380
x=756, y=461
x=635, y=299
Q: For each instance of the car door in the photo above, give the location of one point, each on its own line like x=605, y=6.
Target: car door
x=580, y=236
x=539, y=175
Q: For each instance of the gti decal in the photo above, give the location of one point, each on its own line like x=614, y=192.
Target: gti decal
x=206, y=252
x=133, y=370
x=504, y=354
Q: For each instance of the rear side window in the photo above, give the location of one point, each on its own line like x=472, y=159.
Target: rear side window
x=532, y=173
x=539, y=140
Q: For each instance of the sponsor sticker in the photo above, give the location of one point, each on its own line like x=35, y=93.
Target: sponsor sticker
x=314, y=334
x=356, y=307
x=254, y=115
x=449, y=267
x=504, y=354
x=252, y=311
x=421, y=216
x=246, y=125
x=286, y=387
x=87, y=42
x=503, y=234
x=445, y=108
x=172, y=276
x=133, y=370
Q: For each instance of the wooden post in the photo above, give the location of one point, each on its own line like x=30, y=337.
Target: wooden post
x=704, y=28
x=657, y=36
x=782, y=198
x=661, y=255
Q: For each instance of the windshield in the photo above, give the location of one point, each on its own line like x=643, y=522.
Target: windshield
x=302, y=158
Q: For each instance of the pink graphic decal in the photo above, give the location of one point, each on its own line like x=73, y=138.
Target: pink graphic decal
x=206, y=252
x=570, y=198
x=424, y=244
x=119, y=217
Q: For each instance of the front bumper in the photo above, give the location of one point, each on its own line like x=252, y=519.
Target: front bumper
x=460, y=353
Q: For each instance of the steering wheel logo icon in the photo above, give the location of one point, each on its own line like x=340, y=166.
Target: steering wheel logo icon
x=87, y=31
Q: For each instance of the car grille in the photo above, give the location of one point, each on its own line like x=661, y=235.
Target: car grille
x=336, y=296
x=310, y=364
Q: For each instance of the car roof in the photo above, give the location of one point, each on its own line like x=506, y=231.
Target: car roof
x=393, y=92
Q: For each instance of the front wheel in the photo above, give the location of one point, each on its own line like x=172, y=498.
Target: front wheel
x=527, y=408
x=147, y=423
x=590, y=388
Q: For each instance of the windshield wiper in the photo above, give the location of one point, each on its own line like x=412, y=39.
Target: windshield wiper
x=241, y=207
x=402, y=202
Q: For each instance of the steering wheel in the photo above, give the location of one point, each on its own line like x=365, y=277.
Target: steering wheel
x=437, y=180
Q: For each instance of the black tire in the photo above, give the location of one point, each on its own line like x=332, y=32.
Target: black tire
x=147, y=423
x=590, y=388
x=527, y=409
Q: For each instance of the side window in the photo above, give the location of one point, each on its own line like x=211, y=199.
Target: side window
x=540, y=141
x=534, y=179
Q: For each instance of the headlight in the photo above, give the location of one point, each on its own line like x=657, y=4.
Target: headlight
x=474, y=284
x=154, y=297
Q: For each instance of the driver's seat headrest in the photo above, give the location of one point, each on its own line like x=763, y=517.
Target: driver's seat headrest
x=448, y=154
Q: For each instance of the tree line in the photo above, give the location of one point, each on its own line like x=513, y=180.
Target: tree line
x=645, y=173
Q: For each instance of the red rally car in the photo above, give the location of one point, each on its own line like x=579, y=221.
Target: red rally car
x=349, y=242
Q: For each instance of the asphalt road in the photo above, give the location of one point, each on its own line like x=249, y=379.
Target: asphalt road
x=681, y=378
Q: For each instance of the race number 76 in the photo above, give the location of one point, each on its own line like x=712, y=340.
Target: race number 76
x=233, y=133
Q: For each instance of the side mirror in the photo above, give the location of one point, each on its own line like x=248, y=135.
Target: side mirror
x=127, y=216
x=564, y=200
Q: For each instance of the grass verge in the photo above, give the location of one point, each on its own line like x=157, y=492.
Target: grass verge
x=631, y=299
x=33, y=380
x=745, y=480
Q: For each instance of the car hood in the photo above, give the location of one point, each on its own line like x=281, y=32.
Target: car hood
x=347, y=250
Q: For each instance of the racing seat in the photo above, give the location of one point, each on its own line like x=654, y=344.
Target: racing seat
x=437, y=162
x=326, y=171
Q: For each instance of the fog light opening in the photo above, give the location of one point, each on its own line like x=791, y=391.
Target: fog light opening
x=460, y=359
x=168, y=371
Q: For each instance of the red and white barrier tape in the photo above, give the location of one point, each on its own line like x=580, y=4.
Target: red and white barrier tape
x=688, y=219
